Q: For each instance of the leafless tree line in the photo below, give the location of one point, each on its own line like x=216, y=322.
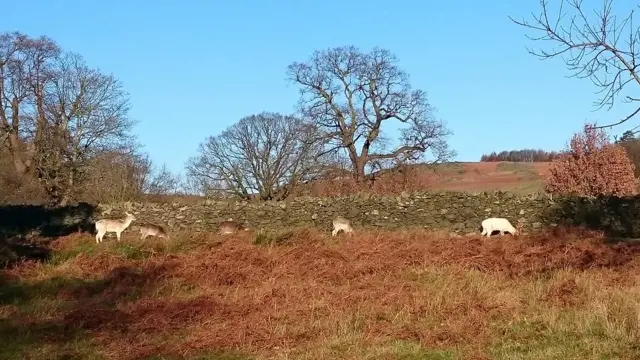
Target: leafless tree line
x=64, y=126
x=349, y=100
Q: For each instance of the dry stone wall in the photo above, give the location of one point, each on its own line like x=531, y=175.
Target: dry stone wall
x=457, y=212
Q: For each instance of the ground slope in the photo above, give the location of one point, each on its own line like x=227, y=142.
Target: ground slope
x=487, y=176
x=376, y=295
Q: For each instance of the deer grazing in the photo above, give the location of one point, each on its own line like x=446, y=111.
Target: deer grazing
x=230, y=227
x=497, y=224
x=153, y=230
x=341, y=224
x=117, y=226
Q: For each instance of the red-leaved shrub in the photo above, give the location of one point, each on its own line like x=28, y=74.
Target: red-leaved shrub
x=592, y=166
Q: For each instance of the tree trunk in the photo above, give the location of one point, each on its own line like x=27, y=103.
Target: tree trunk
x=358, y=167
x=68, y=190
x=14, y=149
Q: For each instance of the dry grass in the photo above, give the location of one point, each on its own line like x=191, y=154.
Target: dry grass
x=376, y=295
x=520, y=178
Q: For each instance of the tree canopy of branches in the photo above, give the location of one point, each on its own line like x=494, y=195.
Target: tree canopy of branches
x=265, y=154
x=632, y=145
x=525, y=155
x=626, y=137
x=605, y=49
x=57, y=113
x=592, y=166
x=350, y=95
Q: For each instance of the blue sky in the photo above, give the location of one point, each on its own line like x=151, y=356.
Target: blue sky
x=195, y=67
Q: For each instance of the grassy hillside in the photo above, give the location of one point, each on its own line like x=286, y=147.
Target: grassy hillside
x=376, y=295
x=481, y=176
x=520, y=178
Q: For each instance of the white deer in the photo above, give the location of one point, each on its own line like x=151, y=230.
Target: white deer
x=497, y=224
x=341, y=224
x=117, y=226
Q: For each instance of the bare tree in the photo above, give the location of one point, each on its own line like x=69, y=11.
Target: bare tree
x=192, y=186
x=350, y=95
x=57, y=114
x=117, y=176
x=87, y=114
x=265, y=154
x=605, y=49
x=25, y=70
x=163, y=182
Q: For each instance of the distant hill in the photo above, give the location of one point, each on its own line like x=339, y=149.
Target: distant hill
x=517, y=177
x=520, y=177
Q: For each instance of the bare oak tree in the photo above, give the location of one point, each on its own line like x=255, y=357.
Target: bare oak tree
x=265, y=154
x=352, y=96
x=605, y=49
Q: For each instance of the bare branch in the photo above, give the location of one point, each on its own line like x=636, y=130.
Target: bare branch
x=603, y=49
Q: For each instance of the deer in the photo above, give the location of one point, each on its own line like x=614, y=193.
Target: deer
x=497, y=224
x=117, y=226
x=341, y=224
x=230, y=227
x=153, y=230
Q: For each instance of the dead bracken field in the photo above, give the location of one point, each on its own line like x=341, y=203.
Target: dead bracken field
x=376, y=295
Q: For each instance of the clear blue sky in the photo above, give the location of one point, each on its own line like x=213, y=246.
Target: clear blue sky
x=194, y=67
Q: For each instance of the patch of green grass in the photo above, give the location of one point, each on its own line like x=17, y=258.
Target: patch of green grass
x=570, y=335
x=209, y=355
x=514, y=166
x=21, y=292
x=185, y=244
x=127, y=250
x=526, y=171
x=526, y=188
x=61, y=256
x=272, y=237
x=407, y=350
x=43, y=337
x=132, y=251
x=449, y=168
x=396, y=349
x=43, y=341
x=518, y=189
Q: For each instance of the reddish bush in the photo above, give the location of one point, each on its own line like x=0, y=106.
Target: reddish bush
x=592, y=166
x=403, y=178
